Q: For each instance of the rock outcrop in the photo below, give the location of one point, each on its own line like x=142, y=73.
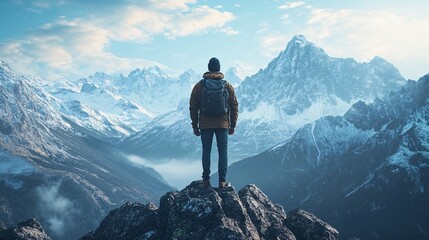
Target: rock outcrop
x=307, y=226
x=30, y=229
x=210, y=213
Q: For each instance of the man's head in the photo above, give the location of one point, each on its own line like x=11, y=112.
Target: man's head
x=214, y=65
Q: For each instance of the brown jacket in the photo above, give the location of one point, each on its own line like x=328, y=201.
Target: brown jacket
x=203, y=122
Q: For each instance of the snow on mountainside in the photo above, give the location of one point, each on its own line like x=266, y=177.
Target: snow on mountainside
x=366, y=172
x=303, y=84
x=299, y=86
x=50, y=168
x=125, y=103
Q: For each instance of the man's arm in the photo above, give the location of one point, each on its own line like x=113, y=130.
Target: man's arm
x=233, y=108
x=194, y=105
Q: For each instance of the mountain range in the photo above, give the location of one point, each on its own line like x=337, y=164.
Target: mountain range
x=299, y=86
x=52, y=169
x=365, y=172
x=346, y=140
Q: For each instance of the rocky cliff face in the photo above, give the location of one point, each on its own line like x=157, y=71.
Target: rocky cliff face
x=54, y=170
x=27, y=230
x=365, y=172
x=209, y=213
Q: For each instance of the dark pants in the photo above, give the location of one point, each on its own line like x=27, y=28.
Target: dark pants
x=222, y=148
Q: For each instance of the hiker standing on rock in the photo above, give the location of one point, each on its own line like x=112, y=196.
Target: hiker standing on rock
x=214, y=111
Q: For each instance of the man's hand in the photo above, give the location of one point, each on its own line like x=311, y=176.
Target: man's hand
x=231, y=131
x=197, y=132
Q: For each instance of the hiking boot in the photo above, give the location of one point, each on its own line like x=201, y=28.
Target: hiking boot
x=224, y=184
x=206, y=183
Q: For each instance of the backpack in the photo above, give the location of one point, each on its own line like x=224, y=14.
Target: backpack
x=214, y=97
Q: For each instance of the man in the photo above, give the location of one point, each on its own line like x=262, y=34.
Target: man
x=207, y=123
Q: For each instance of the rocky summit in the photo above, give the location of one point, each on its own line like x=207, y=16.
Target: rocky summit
x=30, y=229
x=211, y=213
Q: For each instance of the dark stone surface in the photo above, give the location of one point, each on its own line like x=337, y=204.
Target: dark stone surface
x=30, y=229
x=269, y=218
x=201, y=213
x=130, y=221
x=306, y=226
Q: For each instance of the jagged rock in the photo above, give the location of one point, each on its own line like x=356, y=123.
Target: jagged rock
x=200, y=213
x=130, y=221
x=306, y=226
x=30, y=229
x=268, y=218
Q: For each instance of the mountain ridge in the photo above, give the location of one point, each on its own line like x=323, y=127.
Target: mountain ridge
x=54, y=169
x=297, y=87
x=368, y=164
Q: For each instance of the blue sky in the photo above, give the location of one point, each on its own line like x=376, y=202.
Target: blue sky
x=75, y=38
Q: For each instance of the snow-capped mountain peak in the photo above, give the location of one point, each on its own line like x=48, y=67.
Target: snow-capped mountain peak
x=298, y=56
x=235, y=75
x=299, y=86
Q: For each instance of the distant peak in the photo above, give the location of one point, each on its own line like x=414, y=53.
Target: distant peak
x=299, y=41
x=300, y=38
x=101, y=75
x=378, y=59
x=298, y=50
x=187, y=74
x=154, y=70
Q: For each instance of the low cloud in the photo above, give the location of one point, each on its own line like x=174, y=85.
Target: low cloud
x=178, y=173
x=57, y=209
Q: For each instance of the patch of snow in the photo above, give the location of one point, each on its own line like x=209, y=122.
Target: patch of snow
x=368, y=179
x=264, y=111
x=315, y=143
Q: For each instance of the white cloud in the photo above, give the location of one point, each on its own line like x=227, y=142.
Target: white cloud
x=67, y=48
x=290, y=5
x=141, y=24
x=273, y=44
x=229, y=31
x=42, y=4
x=285, y=16
x=172, y=4
x=199, y=20
x=365, y=34
x=263, y=28
x=78, y=47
